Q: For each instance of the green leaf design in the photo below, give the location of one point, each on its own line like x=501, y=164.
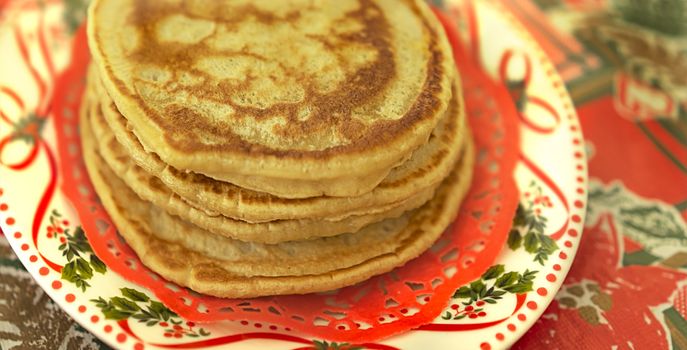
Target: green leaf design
x=100, y=302
x=164, y=312
x=84, y=269
x=529, y=229
x=491, y=288
x=98, y=265
x=514, y=239
x=528, y=276
x=462, y=292
x=74, y=272
x=548, y=244
x=69, y=272
x=493, y=272
x=478, y=287
x=507, y=279
x=125, y=304
x=519, y=288
x=320, y=345
x=117, y=315
x=520, y=217
x=134, y=295
x=78, y=270
x=531, y=242
x=324, y=345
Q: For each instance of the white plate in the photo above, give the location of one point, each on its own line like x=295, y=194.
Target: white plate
x=551, y=175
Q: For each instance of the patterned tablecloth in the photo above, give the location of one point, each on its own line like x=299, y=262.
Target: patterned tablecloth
x=625, y=64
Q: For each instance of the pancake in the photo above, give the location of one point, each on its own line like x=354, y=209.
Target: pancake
x=420, y=174
x=210, y=264
x=151, y=189
x=293, y=98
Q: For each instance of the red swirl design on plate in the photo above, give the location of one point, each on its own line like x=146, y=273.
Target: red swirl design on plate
x=519, y=93
x=237, y=338
x=26, y=131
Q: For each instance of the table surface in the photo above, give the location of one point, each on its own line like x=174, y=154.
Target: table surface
x=625, y=65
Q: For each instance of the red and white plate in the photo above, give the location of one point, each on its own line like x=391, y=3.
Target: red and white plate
x=491, y=312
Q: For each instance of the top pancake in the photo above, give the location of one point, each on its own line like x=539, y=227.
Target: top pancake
x=326, y=95
x=425, y=169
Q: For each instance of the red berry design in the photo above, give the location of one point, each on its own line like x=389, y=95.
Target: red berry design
x=65, y=222
x=479, y=303
x=455, y=306
x=473, y=316
x=190, y=324
x=168, y=334
x=177, y=327
x=469, y=308
x=164, y=324
x=59, y=230
x=177, y=335
x=482, y=314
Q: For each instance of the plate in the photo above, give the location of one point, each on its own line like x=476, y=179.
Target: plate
x=493, y=311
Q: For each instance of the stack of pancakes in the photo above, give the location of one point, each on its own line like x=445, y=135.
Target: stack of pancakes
x=274, y=147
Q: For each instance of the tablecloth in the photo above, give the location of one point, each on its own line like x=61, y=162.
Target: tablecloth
x=625, y=65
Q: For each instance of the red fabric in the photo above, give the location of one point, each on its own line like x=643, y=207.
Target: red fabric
x=631, y=249
x=620, y=145
x=634, y=289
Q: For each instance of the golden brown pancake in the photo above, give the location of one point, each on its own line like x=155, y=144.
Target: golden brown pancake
x=293, y=98
x=415, y=178
x=210, y=264
x=151, y=189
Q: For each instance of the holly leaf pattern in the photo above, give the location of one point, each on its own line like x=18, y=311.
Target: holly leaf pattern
x=491, y=287
x=72, y=274
x=98, y=265
x=493, y=272
x=125, y=304
x=161, y=310
x=507, y=279
x=134, y=295
x=110, y=310
x=529, y=226
x=478, y=288
x=514, y=239
x=82, y=263
x=324, y=345
x=531, y=242
x=137, y=305
x=462, y=292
